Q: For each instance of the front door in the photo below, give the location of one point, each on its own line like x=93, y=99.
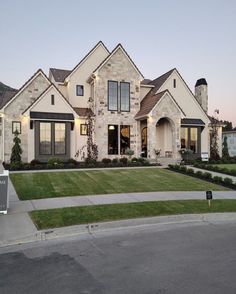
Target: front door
x=52, y=139
x=144, y=142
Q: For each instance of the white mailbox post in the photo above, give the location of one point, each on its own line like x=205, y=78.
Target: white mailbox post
x=4, y=192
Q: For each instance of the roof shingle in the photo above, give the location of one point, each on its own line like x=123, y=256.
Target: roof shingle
x=59, y=74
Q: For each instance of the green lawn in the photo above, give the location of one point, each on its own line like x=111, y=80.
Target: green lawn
x=228, y=165
x=53, y=218
x=56, y=184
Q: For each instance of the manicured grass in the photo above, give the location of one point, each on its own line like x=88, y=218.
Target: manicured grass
x=57, y=184
x=53, y=218
x=228, y=165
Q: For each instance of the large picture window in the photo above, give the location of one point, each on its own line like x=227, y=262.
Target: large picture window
x=124, y=96
x=45, y=138
x=60, y=138
x=124, y=139
x=112, y=139
x=190, y=138
x=113, y=95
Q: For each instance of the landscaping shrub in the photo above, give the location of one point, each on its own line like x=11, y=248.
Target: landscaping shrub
x=207, y=176
x=228, y=181
x=106, y=161
x=34, y=162
x=217, y=179
x=190, y=171
x=90, y=161
x=15, y=166
x=124, y=160
x=72, y=162
x=199, y=174
x=115, y=160
x=183, y=169
x=134, y=159
x=54, y=163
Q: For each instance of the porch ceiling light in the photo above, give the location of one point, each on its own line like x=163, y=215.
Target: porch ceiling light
x=111, y=127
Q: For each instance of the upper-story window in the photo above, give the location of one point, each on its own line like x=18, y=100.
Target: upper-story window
x=118, y=96
x=124, y=96
x=79, y=90
x=112, y=95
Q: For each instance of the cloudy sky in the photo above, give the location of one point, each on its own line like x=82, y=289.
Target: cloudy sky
x=196, y=37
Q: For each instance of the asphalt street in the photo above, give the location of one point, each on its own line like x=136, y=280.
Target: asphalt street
x=168, y=258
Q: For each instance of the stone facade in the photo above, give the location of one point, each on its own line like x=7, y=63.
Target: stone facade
x=13, y=112
x=167, y=109
x=118, y=68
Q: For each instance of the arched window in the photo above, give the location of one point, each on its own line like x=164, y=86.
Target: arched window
x=144, y=141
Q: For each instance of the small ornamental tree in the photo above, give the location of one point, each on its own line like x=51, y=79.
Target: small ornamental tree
x=16, y=149
x=91, y=147
x=214, y=148
x=225, y=151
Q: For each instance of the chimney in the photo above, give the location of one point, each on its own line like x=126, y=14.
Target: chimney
x=201, y=93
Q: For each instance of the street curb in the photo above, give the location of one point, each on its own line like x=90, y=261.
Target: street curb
x=76, y=230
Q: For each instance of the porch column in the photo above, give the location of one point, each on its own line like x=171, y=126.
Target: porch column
x=176, y=139
x=151, y=138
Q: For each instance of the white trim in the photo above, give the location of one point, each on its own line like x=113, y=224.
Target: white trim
x=25, y=86
x=109, y=56
x=43, y=95
x=147, y=86
x=100, y=43
x=184, y=83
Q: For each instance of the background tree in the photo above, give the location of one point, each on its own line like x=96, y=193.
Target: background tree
x=225, y=151
x=16, y=149
x=214, y=139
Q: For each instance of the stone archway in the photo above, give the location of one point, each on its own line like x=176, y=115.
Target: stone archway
x=165, y=137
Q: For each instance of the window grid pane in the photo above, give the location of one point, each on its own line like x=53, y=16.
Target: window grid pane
x=112, y=95
x=60, y=138
x=184, y=138
x=124, y=96
x=124, y=139
x=193, y=139
x=45, y=143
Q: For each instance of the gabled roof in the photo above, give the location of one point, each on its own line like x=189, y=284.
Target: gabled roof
x=149, y=101
x=39, y=71
x=87, y=55
x=6, y=96
x=119, y=46
x=43, y=93
x=83, y=112
x=158, y=82
x=59, y=74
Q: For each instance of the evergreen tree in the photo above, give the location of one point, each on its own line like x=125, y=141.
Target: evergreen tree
x=214, y=149
x=225, y=151
x=16, y=149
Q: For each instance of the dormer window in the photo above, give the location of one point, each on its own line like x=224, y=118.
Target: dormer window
x=79, y=90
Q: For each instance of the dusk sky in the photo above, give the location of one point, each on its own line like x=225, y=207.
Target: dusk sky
x=196, y=37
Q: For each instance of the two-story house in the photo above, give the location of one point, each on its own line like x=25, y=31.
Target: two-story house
x=130, y=112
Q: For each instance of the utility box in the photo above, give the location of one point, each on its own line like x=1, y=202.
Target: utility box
x=4, y=192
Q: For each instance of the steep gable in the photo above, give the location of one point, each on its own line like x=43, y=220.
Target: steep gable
x=184, y=96
x=119, y=48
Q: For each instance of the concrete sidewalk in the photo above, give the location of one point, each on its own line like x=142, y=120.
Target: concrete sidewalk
x=60, y=202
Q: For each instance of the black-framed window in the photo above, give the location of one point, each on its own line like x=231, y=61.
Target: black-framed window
x=124, y=139
x=79, y=90
x=124, y=96
x=112, y=139
x=190, y=138
x=83, y=129
x=113, y=95
x=45, y=138
x=16, y=126
x=60, y=138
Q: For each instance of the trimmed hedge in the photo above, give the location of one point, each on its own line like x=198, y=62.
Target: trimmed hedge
x=215, y=168
x=227, y=182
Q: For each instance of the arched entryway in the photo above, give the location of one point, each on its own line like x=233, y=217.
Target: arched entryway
x=164, y=137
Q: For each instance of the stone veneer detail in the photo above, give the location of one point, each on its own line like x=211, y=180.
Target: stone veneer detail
x=117, y=68
x=13, y=112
